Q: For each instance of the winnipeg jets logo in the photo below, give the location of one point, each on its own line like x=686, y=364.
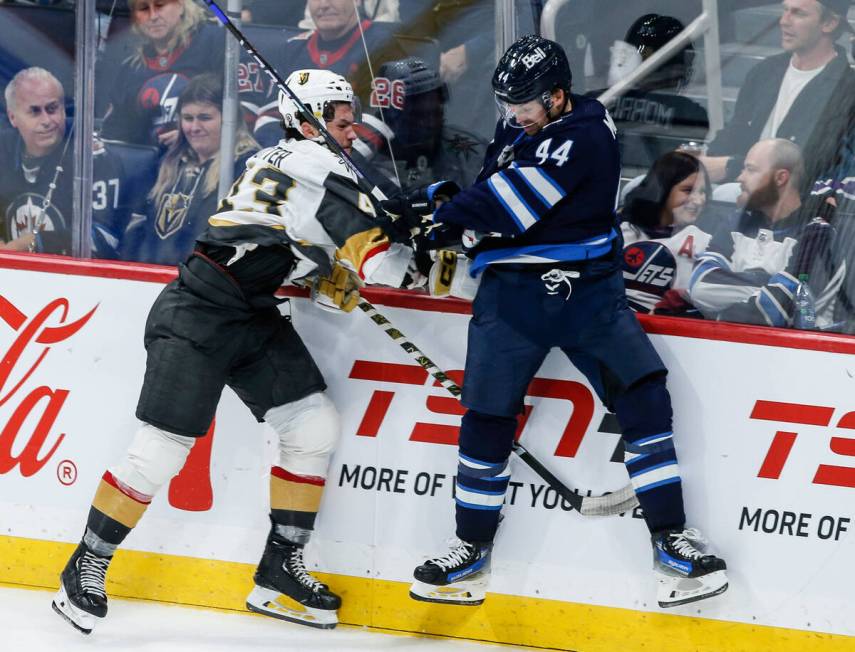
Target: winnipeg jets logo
x=554, y=278
x=26, y=214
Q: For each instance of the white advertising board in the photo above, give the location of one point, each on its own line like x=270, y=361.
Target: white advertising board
x=763, y=434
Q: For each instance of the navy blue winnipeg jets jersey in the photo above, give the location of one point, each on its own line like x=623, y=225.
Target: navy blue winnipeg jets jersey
x=547, y=195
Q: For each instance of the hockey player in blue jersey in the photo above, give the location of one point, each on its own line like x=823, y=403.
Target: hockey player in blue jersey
x=551, y=277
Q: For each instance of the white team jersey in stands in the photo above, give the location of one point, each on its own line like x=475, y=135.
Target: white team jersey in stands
x=685, y=245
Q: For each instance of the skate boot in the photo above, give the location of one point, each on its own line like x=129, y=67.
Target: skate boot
x=685, y=572
x=460, y=577
x=82, y=597
x=284, y=589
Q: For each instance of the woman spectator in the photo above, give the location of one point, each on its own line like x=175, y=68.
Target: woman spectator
x=185, y=193
x=661, y=239
x=145, y=69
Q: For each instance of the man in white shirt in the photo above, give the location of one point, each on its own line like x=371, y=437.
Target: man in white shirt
x=784, y=96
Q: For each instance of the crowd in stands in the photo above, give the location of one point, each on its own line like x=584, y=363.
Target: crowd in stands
x=716, y=225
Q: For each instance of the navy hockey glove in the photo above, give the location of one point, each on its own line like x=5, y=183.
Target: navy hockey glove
x=411, y=214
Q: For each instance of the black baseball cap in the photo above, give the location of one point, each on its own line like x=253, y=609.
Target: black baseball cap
x=841, y=8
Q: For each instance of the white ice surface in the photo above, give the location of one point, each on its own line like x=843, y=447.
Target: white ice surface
x=28, y=623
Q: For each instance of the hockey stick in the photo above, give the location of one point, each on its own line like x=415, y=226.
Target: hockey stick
x=605, y=505
x=277, y=79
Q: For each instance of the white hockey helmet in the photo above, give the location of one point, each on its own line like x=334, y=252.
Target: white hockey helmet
x=316, y=89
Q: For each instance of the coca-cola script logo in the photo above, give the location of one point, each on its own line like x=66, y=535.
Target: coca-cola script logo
x=32, y=342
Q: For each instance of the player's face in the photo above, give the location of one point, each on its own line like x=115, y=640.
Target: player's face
x=531, y=116
x=38, y=115
x=333, y=18
x=341, y=127
x=801, y=25
x=200, y=124
x=686, y=200
x=158, y=19
x=757, y=180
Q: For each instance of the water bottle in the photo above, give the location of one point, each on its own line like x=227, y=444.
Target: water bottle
x=804, y=315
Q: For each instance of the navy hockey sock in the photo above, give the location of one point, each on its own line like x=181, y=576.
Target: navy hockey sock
x=482, y=474
x=644, y=413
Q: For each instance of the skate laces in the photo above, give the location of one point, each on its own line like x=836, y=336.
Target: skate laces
x=93, y=574
x=684, y=542
x=461, y=553
x=297, y=568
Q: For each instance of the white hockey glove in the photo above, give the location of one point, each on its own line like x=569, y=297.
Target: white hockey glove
x=338, y=292
x=449, y=277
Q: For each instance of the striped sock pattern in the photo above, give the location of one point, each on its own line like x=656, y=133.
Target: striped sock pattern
x=479, y=494
x=651, y=462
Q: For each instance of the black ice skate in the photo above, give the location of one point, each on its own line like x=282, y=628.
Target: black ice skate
x=82, y=597
x=686, y=573
x=460, y=577
x=284, y=589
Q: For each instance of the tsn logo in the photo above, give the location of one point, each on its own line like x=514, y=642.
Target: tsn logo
x=779, y=452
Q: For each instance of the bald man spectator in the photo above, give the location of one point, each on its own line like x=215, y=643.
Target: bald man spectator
x=749, y=272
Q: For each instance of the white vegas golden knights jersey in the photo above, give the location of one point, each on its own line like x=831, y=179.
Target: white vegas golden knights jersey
x=301, y=195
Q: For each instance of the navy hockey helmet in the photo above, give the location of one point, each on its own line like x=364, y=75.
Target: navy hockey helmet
x=409, y=97
x=649, y=33
x=416, y=76
x=531, y=69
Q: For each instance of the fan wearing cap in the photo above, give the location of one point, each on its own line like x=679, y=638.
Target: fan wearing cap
x=551, y=278
x=787, y=95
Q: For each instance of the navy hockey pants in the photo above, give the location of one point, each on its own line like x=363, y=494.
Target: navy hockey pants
x=519, y=315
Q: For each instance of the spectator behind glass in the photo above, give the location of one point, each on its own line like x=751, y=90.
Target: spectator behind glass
x=185, y=193
x=749, y=272
x=654, y=109
x=144, y=70
x=784, y=95
x=37, y=184
x=336, y=44
x=385, y=11
x=661, y=239
x=408, y=115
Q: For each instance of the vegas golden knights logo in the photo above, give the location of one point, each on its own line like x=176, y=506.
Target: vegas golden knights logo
x=171, y=213
x=304, y=78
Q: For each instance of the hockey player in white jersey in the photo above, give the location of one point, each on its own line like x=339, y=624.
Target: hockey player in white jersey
x=296, y=214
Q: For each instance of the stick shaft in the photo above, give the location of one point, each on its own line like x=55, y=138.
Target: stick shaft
x=606, y=505
x=277, y=79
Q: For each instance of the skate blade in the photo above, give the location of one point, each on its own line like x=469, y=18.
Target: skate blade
x=676, y=591
x=278, y=605
x=466, y=593
x=82, y=621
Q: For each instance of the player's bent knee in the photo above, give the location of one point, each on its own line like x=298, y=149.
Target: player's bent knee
x=153, y=458
x=644, y=408
x=308, y=431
